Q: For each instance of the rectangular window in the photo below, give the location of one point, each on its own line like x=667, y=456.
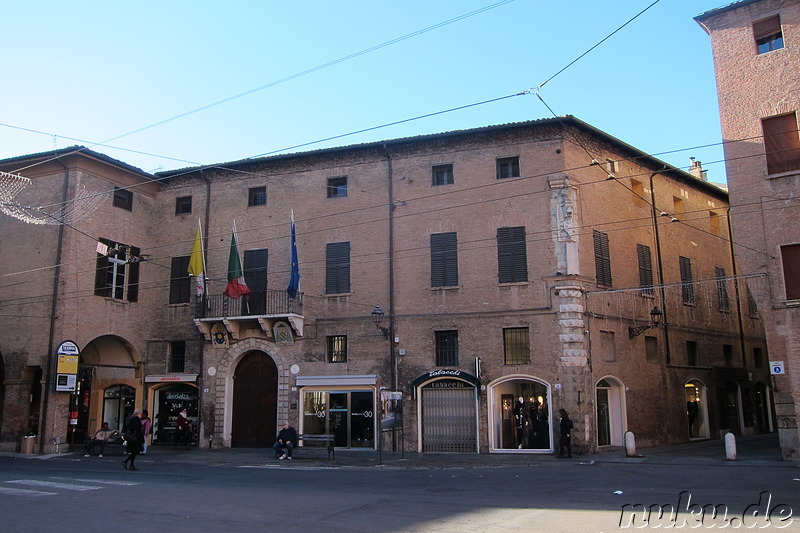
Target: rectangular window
x=645, y=269
x=446, y=348
x=758, y=358
x=123, y=198
x=117, y=272
x=691, y=353
x=781, y=143
x=727, y=354
x=512, y=257
x=183, y=205
x=507, y=167
x=637, y=187
x=611, y=167
x=790, y=258
x=602, y=258
x=337, y=268
x=678, y=207
x=687, y=286
x=723, y=301
x=715, y=221
x=768, y=35
x=337, y=187
x=180, y=284
x=651, y=349
x=444, y=260
x=516, y=346
x=752, y=306
x=337, y=348
x=608, y=348
x=442, y=175
x=257, y=196
x=177, y=356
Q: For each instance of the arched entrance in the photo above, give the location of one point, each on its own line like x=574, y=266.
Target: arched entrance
x=610, y=406
x=696, y=409
x=255, y=401
x=520, y=417
x=105, y=363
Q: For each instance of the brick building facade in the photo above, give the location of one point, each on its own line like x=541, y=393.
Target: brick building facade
x=755, y=48
x=517, y=269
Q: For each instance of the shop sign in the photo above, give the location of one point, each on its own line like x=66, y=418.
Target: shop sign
x=170, y=378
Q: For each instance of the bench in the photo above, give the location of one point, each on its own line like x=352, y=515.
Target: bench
x=321, y=438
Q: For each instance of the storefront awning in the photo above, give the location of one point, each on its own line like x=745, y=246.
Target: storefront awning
x=170, y=378
x=327, y=381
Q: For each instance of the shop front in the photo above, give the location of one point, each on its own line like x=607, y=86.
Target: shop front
x=520, y=416
x=447, y=403
x=170, y=395
x=342, y=406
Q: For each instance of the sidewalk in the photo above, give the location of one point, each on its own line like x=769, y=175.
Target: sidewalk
x=758, y=450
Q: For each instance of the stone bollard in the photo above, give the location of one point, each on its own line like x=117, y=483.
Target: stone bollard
x=730, y=446
x=630, y=444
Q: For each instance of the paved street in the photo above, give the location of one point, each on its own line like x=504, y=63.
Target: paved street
x=248, y=490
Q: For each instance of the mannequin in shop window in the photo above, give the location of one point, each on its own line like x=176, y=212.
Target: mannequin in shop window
x=538, y=418
x=519, y=419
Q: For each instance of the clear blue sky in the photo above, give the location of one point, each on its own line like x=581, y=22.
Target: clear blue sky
x=95, y=71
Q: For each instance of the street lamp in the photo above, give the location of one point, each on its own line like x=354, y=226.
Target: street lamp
x=655, y=319
x=377, y=318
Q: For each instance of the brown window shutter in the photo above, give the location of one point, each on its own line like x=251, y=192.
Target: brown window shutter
x=766, y=27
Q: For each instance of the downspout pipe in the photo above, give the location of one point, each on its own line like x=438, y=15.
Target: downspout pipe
x=655, y=215
x=51, y=360
x=390, y=188
x=736, y=289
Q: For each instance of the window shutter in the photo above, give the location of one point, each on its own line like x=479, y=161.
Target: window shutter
x=337, y=268
x=255, y=269
x=602, y=259
x=645, y=268
x=512, y=255
x=790, y=258
x=766, y=27
x=179, y=283
x=781, y=143
x=444, y=259
x=133, y=276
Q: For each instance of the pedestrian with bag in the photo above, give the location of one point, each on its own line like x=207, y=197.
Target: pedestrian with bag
x=133, y=440
x=565, y=426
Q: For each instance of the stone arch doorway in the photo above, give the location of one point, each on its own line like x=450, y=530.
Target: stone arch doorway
x=696, y=409
x=610, y=415
x=107, y=363
x=255, y=401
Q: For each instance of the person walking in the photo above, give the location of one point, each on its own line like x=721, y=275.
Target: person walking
x=133, y=440
x=183, y=429
x=565, y=428
x=147, y=430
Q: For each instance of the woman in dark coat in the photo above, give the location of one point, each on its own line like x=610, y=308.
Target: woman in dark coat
x=565, y=428
x=134, y=437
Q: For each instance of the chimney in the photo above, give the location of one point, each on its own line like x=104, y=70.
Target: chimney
x=696, y=169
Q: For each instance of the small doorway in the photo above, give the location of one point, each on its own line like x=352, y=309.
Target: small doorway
x=449, y=416
x=696, y=409
x=729, y=408
x=255, y=402
x=610, y=405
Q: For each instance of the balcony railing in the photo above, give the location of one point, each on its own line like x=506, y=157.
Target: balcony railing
x=267, y=303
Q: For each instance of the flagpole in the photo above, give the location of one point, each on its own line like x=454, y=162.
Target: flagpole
x=236, y=236
x=203, y=257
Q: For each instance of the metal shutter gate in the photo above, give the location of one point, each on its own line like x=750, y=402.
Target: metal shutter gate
x=448, y=420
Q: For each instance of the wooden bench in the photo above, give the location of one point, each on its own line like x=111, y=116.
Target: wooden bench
x=321, y=438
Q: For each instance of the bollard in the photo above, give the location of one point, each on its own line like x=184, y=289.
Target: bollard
x=630, y=444
x=730, y=446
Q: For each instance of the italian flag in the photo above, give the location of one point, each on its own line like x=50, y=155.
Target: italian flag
x=236, y=286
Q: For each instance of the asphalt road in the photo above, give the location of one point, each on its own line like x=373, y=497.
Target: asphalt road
x=74, y=494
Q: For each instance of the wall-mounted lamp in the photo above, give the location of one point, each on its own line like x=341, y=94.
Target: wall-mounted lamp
x=655, y=318
x=377, y=318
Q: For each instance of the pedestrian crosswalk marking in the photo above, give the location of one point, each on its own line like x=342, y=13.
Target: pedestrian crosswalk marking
x=25, y=492
x=101, y=481
x=53, y=485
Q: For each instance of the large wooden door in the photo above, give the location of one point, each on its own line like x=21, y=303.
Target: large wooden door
x=255, y=402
